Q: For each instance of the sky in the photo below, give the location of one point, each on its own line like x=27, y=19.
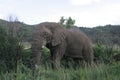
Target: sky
x=86, y=13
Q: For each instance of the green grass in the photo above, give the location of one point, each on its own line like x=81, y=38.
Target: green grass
x=101, y=72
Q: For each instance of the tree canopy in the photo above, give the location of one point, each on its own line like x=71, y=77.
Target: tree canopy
x=68, y=22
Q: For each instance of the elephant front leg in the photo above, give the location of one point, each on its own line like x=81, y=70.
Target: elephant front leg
x=56, y=62
x=56, y=56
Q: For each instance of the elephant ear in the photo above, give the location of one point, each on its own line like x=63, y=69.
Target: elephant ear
x=58, y=37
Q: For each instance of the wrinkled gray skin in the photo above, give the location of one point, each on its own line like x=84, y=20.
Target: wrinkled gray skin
x=69, y=42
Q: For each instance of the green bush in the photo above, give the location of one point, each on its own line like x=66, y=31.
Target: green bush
x=105, y=53
x=26, y=57
x=45, y=57
x=9, y=50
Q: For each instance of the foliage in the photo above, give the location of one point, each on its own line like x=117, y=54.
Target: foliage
x=4, y=43
x=101, y=72
x=108, y=34
x=26, y=57
x=62, y=20
x=3, y=48
x=45, y=59
x=67, y=23
x=25, y=29
x=105, y=53
x=10, y=48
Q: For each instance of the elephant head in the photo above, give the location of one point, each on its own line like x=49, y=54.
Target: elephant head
x=46, y=33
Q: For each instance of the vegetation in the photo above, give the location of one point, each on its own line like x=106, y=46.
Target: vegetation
x=108, y=34
x=105, y=54
x=67, y=23
x=15, y=59
x=25, y=30
x=101, y=72
x=10, y=48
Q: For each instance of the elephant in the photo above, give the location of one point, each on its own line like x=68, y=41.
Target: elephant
x=69, y=42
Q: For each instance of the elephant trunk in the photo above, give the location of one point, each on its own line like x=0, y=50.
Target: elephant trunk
x=37, y=46
x=36, y=53
x=36, y=58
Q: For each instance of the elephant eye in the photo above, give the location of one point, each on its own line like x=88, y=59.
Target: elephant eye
x=45, y=33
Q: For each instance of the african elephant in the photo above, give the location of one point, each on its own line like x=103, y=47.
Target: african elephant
x=69, y=42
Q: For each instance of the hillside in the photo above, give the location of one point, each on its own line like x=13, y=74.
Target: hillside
x=25, y=29
x=108, y=34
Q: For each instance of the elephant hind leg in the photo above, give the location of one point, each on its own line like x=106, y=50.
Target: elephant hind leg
x=88, y=57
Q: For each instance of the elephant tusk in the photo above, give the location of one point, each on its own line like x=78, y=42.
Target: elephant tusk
x=43, y=46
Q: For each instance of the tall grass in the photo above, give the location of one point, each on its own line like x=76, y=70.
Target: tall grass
x=99, y=72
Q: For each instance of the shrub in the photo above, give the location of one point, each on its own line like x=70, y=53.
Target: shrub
x=26, y=57
x=104, y=53
x=10, y=50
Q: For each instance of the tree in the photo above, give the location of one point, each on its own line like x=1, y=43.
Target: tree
x=62, y=20
x=67, y=23
x=3, y=47
x=10, y=45
x=70, y=22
